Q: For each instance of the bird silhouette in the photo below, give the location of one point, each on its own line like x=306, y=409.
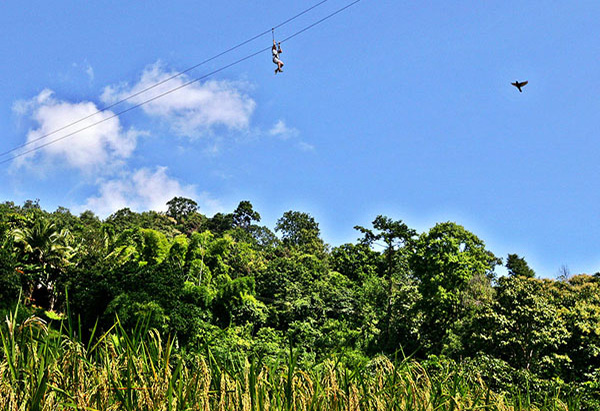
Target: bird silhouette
x=519, y=85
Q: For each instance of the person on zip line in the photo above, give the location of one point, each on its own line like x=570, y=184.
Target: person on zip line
x=276, y=50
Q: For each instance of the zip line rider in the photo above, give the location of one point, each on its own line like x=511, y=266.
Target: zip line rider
x=276, y=50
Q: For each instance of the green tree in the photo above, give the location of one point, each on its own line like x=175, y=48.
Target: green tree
x=395, y=235
x=288, y=285
x=32, y=205
x=397, y=318
x=357, y=262
x=10, y=278
x=63, y=219
x=121, y=220
x=447, y=260
x=525, y=326
x=518, y=266
x=7, y=210
x=244, y=215
x=300, y=230
x=579, y=302
x=263, y=237
x=154, y=246
x=45, y=251
x=196, y=262
x=220, y=223
x=160, y=222
x=180, y=208
x=235, y=303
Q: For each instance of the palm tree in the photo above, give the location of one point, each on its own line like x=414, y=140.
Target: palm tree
x=45, y=251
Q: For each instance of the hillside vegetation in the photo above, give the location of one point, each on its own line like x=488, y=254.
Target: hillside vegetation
x=177, y=310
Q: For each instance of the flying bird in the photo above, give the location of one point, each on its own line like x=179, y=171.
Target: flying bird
x=519, y=85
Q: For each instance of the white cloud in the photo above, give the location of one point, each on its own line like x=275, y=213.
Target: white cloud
x=281, y=130
x=88, y=147
x=145, y=189
x=193, y=110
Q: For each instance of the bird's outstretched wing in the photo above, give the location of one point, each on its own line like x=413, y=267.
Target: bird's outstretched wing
x=524, y=83
x=515, y=84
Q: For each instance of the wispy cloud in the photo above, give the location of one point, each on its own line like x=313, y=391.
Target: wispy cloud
x=281, y=130
x=93, y=146
x=144, y=189
x=284, y=132
x=191, y=111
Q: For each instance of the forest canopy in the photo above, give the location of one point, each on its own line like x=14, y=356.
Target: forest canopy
x=228, y=283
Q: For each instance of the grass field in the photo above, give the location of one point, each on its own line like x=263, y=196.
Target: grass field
x=45, y=369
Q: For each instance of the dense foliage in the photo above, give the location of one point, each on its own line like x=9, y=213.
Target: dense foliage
x=228, y=286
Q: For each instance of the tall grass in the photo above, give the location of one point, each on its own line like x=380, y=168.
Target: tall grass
x=42, y=369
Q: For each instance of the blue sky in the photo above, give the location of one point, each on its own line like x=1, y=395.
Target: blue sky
x=396, y=108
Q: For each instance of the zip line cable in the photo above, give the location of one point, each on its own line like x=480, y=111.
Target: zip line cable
x=166, y=92
x=319, y=21
x=165, y=80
